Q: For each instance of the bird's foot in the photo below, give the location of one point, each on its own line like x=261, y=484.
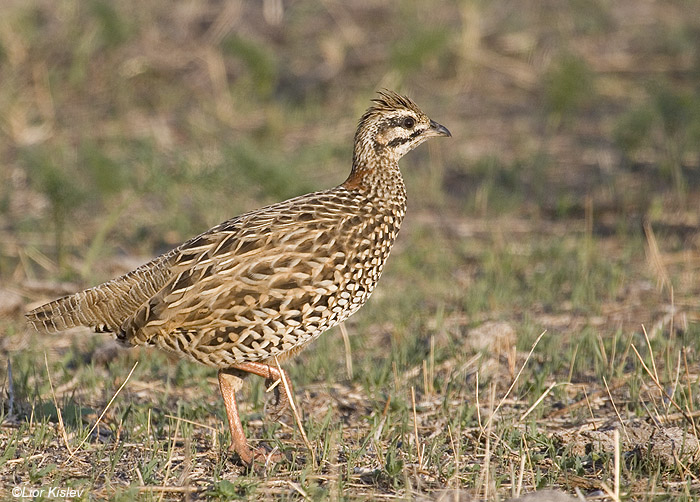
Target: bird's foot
x=278, y=403
x=257, y=456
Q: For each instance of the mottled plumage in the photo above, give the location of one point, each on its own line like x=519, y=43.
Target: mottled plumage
x=266, y=283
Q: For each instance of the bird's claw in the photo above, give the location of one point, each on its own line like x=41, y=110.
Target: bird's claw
x=278, y=403
x=258, y=455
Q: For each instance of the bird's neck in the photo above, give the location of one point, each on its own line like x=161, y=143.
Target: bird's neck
x=379, y=177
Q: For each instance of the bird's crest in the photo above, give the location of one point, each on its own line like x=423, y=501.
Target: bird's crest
x=389, y=101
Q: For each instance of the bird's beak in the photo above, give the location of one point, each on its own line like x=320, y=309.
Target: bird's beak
x=438, y=130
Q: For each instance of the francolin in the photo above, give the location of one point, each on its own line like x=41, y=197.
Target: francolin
x=258, y=288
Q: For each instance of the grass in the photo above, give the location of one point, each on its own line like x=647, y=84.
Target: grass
x=563, y=212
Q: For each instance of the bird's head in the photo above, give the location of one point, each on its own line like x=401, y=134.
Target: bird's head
x=392, y=127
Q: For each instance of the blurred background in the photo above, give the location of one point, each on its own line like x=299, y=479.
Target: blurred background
x=567, y=200
x=127, y=127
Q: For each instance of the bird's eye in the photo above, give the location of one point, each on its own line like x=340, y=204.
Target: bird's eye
x=409, y=122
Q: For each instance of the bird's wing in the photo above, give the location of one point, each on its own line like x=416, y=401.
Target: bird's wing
x=255, y=281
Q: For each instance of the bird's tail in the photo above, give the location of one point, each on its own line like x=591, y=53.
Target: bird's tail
x=104, y=307
x=64, y=313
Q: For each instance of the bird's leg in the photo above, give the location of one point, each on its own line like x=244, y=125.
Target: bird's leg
x=271, y=374
x=229, y=383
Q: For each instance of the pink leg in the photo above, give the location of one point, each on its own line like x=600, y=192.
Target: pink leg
x=230, y=382
x=271, y=374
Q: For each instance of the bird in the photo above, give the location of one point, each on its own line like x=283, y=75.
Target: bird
x=258, y=288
